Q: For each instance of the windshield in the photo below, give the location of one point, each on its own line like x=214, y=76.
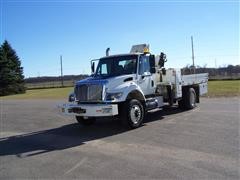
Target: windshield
x=118, y=65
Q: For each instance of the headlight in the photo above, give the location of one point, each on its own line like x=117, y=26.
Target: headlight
x=71, y=97
x=113, y=96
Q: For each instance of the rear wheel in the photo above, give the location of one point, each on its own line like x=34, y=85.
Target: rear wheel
x=85, y=121
x=189, y=99
x=132, y=113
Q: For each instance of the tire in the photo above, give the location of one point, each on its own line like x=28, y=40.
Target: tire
x=85, y=122
x=170, y=96
x=132, y=113
x=189, y=99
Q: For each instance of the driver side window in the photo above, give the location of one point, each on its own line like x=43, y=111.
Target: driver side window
x=102, y=69
x=144, y=65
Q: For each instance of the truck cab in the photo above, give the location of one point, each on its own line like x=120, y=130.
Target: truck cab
x=127, y=86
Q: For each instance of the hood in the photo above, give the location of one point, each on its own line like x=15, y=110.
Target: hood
x=120, y=82
x=110, y=82
x=93, y=80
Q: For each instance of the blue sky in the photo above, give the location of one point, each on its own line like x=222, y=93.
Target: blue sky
x=41, y=31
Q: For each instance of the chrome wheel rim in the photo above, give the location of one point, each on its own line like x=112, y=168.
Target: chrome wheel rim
x=135, y=114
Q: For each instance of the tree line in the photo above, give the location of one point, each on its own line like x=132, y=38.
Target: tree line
x=55, y=78
x=228, y=72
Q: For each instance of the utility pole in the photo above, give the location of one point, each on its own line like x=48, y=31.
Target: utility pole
x=61, y=70
x=193, y=55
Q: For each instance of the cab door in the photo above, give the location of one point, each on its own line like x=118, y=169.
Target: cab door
x=145, y=79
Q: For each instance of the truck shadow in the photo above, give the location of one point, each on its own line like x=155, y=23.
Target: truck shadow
x=158, y=115
x=67, y=136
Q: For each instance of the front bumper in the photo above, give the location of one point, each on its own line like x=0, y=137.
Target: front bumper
x=89, y=110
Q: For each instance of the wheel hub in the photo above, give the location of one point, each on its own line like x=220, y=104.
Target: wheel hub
x=135, y=113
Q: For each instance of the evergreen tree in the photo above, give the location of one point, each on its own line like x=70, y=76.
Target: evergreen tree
x=11, y=72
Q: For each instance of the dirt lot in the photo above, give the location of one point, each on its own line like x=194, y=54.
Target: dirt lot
x=37, y=142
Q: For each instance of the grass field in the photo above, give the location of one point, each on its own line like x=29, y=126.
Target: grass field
x=49, y=84
x=224, y=88
x=51, y=93
x=215, y=89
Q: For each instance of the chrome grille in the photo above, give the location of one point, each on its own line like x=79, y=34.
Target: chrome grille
x=81, y=92
x=91, y=92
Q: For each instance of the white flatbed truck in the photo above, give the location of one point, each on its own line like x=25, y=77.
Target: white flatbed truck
x=130, y=85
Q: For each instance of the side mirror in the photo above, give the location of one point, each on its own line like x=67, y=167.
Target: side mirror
x=71, y=97
x=162, y=59
x=163, y=71
x=145, y=74
x=93, y=67
x=152, y=64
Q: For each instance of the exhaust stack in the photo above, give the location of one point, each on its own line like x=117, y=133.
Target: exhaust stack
x=107, y=51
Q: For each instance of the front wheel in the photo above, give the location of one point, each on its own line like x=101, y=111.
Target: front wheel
x=85, y=121
x=132, y=113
